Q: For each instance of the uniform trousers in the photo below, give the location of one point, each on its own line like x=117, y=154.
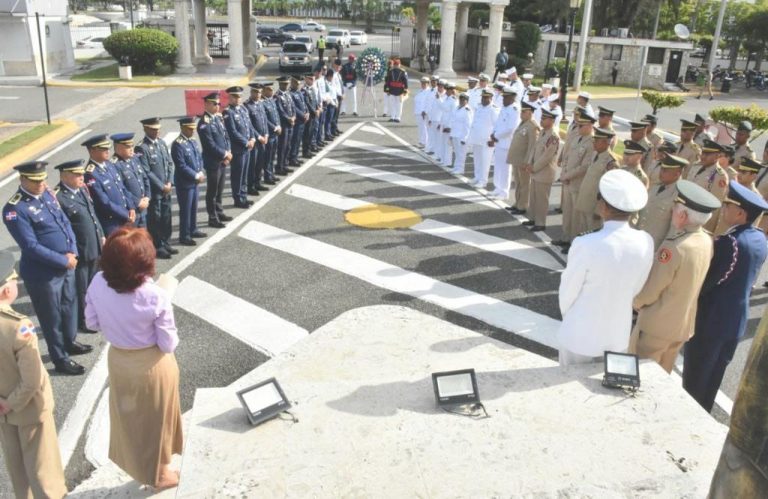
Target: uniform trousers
x=141, y=218
x=187, y=197
x=33, y=458
x=736, y=475
x=647, y=346
x=522, y=187
x=268, y=162
x=309, y=131
x=432, y=139
x=320, y=129
x=421, y=122
x=461, y=156
x=327, y=134
x=84, y=273
x=350, y=100
x=386, y=105
x=447, y=155
x=283, y=147
x=395, y=106
x=55, y=303
x=501, y=172
x=238, y=175
x=213, y=192
x=296, y=137
x=571, y=224
x=539, y=202
x=704, y=366
x=339, y=104
x=482, y=156
x=159, y=222
x=254, y=166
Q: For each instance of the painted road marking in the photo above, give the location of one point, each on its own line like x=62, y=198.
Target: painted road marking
x=456, y=233
x=512, y=318
x=391, y=151
x=97, y=441
x=371, y=129
x=410, y=182
x=9, y=97
x=254, y=326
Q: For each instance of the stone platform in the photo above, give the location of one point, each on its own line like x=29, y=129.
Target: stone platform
x=368, y=425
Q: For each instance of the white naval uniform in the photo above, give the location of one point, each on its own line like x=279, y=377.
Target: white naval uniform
x=498, y=99
x=419, y=103
x=479, y=134
x=558, y=112
x=597, y=314
x=448, y=105
x=506, y=124
x=519, y=89
x=434, y=108
x=461, y=121
x=474, y=97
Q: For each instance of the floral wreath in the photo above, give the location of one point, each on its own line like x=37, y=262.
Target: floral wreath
x=372, y=62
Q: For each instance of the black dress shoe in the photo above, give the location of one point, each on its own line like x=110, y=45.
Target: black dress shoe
x=270, y=182
x=242, y=205
x=198, y=234
x=261, y=188
x=225, y=218
x=216, y=224
x=308, y=156
x=529, y=223
x=515, y=211
x=538, y=228
x=69, y=367
x=253, y=192
x=294, y=163
x=287, y=171
x=187, y=242
x=84, y=329
x=163, y=254
x=171, y=250
x=79, y=349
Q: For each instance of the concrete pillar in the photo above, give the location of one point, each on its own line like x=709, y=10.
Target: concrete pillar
x=586, y=26
x=184, y=64
x=447, y=34
x=422, y=20
x=248, y=58
x=494, y=37
x=201, y=33
x=460, y=51
x=235, y=19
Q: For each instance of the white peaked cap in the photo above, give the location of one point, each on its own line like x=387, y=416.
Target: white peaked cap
x=623, y=190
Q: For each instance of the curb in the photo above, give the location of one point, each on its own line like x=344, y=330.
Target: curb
x=33, y=149
x=160, y=83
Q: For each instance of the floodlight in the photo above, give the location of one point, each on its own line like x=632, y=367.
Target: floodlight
x=263, y=401
x=455, y=387
x=621, y=370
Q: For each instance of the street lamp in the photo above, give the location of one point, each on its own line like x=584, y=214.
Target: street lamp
x=574, y=5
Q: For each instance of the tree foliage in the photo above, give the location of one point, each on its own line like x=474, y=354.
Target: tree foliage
x=559, y=66
x=527, y=38
x=147, y=50
x=661, y=100
x=733, y=115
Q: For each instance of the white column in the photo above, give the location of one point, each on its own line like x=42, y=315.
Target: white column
x=447, y=33
x=494, y=37
x=422, y=19
x=461, y=35
x=248, y=59
x=201, y=33
x=184, y=64
x=586, y=26
x=235, y=19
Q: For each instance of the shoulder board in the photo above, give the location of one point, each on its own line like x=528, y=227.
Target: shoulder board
x=588, y=232
x=15, y=199
x=89, y=168
x=57, y=189
x=9, y=312
x=466, y=108
x=719, y=170
x=115, y=159
x=206, y=119
x=180, y=139
x=695, y=146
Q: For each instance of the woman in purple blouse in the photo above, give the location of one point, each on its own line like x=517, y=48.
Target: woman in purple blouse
x=136, y=317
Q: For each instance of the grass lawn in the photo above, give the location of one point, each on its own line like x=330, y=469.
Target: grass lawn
x=10, y=145
x=108, y=73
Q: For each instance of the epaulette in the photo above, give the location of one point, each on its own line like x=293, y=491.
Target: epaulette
x=467, y=108
x=180, y=139
x=115, y=158
x=15, y=199
x=587, y=232
x=720, y=170
x=206, y=119
x=9, y=312
x=90, y=168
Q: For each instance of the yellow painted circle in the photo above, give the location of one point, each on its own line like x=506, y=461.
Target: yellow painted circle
x=382, y=216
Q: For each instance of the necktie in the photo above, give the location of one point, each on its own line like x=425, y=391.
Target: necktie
x=661, y=189
x=681, y=148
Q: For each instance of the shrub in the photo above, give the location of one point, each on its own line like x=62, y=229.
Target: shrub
x=527, y=38
x=733, y=115
x=559, y=66
x=146, y=49
x=659, y=100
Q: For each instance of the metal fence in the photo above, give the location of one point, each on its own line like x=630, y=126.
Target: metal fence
x=218, y=39
x=433, y=45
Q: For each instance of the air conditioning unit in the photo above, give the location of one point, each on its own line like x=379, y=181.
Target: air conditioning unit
x=604, y=32
x=623, y=32
x=614, y=32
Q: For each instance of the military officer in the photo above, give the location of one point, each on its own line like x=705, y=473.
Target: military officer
x=460, y=123
x=654, y=137
x=269, y=166
x=258, y=117
x=308, y=149
x=723, y=306
x=302, y=119
x=749, y=169
x=699, y=135
x=134, y=177
x=741, y=143
x=583, y=101
x=542, y=171
x=503, y=130
x=667, y=147
x=419, y=111
x=605, y=121
x=726, y=161
x=396, y=88
x=532, y=97
x=474, y=98
x=633, y=154
x=761, y=183
x=77, y=204
x=110, y=198
x=637, y=134
x=602, y=160
x=519, y=157
x=667, y=303
x=473, y=92
x=27, y=428
x=242, y=141
x=287, y=112
x=188, y=174
x=687, y=148
x=434, y=113
x=480, y=138
x=656, y=217
x=216, y=157
x=449, y=105
x=710, y=175
x=48, y=260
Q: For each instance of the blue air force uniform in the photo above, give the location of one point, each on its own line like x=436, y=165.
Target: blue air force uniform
x=258, y=117
x=187, y=175
x=78, y=207
x=134, y=177
x=287, y=112
x=45, y=237
x=298, y=128
x=110, y=198
x=215, y=143
x=273, y=121
x=238, y=125
x=723, y=306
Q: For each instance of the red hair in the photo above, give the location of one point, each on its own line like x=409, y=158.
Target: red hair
x=128, y=258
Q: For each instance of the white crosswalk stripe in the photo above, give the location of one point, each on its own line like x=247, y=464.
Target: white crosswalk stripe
x=392, y=151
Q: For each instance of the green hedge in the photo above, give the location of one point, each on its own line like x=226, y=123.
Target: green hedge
x=148, y=50
x=559, y=66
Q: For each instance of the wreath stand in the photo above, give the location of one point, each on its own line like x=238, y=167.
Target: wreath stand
x=369, y=90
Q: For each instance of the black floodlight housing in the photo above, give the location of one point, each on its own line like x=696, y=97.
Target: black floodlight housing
x=622, y=370
x=454, y=388
x=263, y=401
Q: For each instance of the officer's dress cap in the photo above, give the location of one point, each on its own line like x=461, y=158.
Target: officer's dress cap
x=283, y=79
x=214, y=96
x=687, y=125
x=699, y=119
x=650, y=118
x=483, y=77
x=637, y=125
x=99, y=141
x=508, y=90
x=584, y=118
x=553, y=98
x=33, y=170
x=527, y=106
x=498, y=85
x=442, y=82
x=546, y=86
x=123, y=138
x=7, y=266
x=450, y=86
x=745, y=198
x=425, y=79
x=153, y=122
x=672, y=161
x=74, y=166
x=605, y=111
x=623, y=190
x=604, y=133
x=295, y=78
x=696, y=197
x=472, y=79
x=585, y=95
x=527, y=76
x=632, y=147
x=437, y=78
x=750, y=165
x=187, y=121
x=533, y=90
x=547, y=114
x=712, y=146
x=236, y=90
x=464, y=95
x=745, y=126
x=487, y=93
x=668, y=147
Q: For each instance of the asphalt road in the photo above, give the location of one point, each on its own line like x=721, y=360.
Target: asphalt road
x=22, y=104
x=301, y=288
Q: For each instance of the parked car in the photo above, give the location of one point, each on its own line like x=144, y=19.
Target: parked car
x=358, y=38
x=307, y=40
x=292, y=27
x=698, y=53
x=91, y=42
x=313, y=26
x=295, y=56
x=338, y=36
x=269, y=35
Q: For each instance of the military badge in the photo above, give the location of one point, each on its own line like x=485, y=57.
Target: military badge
x=665, y=255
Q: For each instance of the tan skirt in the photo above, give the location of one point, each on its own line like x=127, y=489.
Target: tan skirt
x=144, y=411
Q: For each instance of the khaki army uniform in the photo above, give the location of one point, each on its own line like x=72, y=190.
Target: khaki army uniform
x=654, y=175
x=579, y=158
x=715, y=180
x=638, y=172
x=744, y=151
x=519, y=155
x=28, y=432
x=691, y=152
x=667, y=302
x=570, y=135
x=651, y=143
x=656, y=217
x=615, y=138
x=586, y=203
x=544, y=165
